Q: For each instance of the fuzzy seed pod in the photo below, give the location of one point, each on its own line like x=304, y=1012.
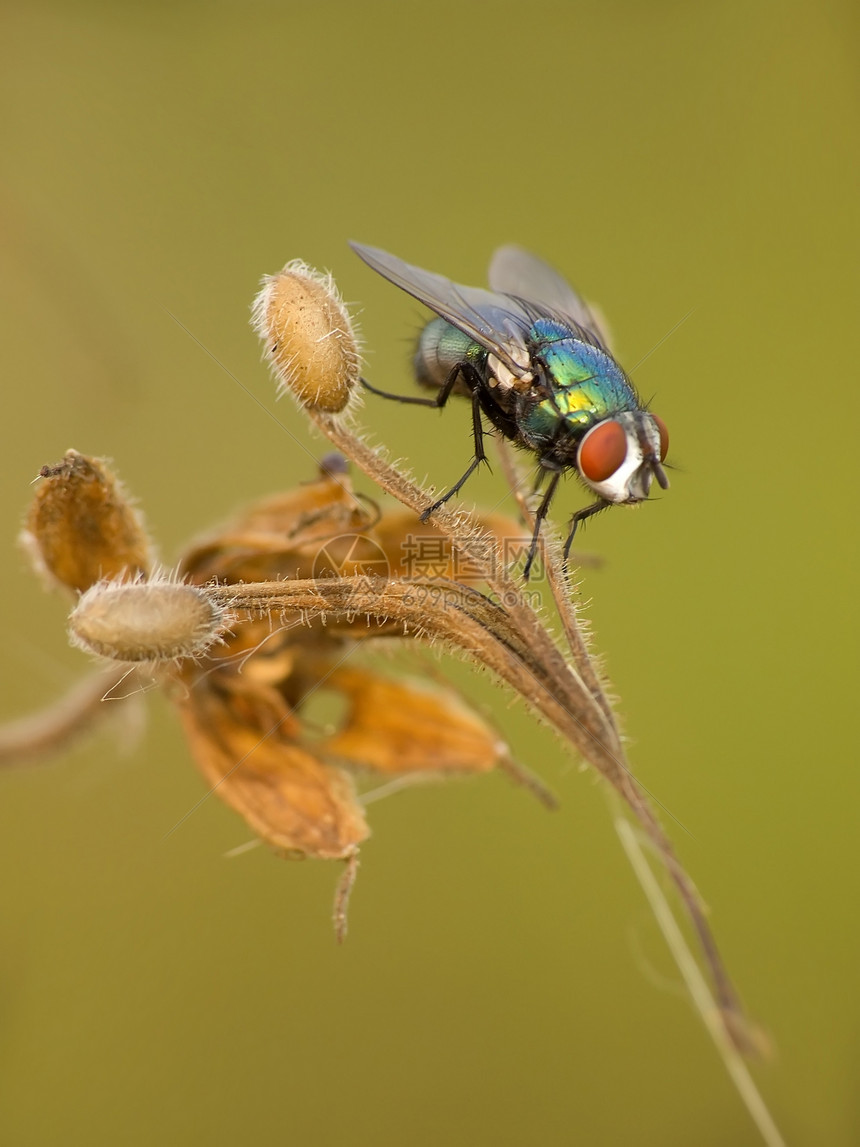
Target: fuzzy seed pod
x=156, y=620
x=309, y=338
x=81, y=527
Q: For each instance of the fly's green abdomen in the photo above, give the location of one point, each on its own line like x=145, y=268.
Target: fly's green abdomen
x=441, y=348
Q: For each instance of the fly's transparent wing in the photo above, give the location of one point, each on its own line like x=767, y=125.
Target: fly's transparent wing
x=496, y=322
x=515, y=271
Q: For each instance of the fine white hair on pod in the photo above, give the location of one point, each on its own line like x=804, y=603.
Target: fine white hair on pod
x=309, y=338
x=154, y=620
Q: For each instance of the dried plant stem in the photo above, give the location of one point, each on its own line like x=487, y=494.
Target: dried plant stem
x=696, y=985
x=527, y=780
x=446, y=610
x=342, y=894
x=467, y=620
x=48, y=730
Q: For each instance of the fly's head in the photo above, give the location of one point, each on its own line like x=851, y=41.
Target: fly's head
x=621, y=456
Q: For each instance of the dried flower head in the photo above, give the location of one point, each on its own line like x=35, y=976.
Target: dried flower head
x=241, y=670
x=245, y=701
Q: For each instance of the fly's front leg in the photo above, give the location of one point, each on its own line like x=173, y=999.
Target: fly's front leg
x=580, y=516
x=542, y=511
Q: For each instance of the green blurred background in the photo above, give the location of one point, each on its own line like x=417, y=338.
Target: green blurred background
x=502, y=982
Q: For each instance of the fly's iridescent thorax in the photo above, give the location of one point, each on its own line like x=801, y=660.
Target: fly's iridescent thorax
x=585, y=384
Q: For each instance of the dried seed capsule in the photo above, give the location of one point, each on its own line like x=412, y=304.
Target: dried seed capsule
x=309, y=337
x=81, y=527
x=156, y=620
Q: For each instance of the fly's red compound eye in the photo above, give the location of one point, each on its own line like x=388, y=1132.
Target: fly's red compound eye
x=664, y=437
x=603, y=450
